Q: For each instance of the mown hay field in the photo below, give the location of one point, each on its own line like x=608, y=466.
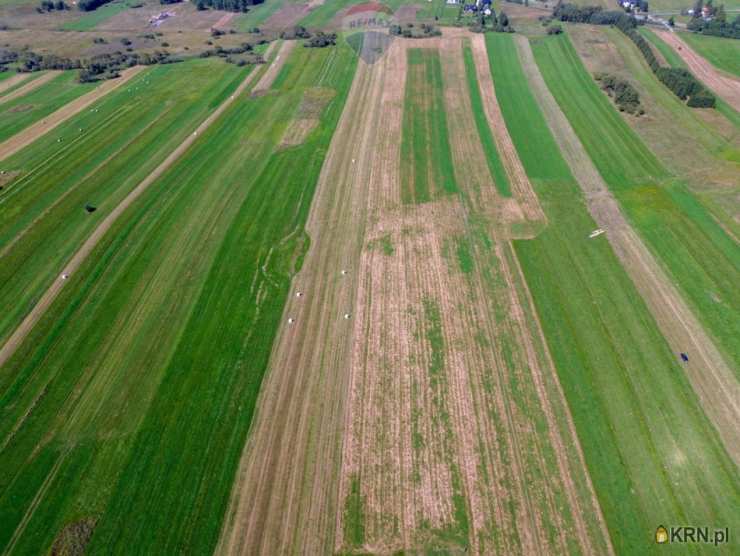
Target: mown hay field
x=22, y=111
x=646, y=440
x=118, y=409
x=701, y=257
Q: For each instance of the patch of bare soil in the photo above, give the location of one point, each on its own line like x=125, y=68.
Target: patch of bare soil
x=268, y=77
x=709, y=374
x=725, y=86
x=73, y=539
x=31, y=133
x=406, y=398
x=28, y=87
x=20, y=333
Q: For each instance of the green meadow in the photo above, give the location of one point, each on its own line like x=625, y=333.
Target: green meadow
x=129, y=404
x=90, y=20
x=427, y=171
x=23, y=111
x=646, y=441
x=698, y=254
x=94, y=158
x=675, y=61
x=720, y=52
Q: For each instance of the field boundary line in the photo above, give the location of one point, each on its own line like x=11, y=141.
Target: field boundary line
x=33, y=132
x=29, y=87
x=8, y=349
x=724, y=86
x=269, y=76
x=11, y=82
x=709, y=374
x=521, y=187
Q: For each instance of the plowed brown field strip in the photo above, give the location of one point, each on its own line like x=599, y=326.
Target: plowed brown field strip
x=411, y=403
x=710, y=375
x=33, y=132
x=725, y=86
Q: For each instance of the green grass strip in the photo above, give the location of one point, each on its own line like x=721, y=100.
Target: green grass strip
x=23, y=111
x=495, y=166
x=648, y=445
x=90, y=20
x=427, y=170
x=722, y=53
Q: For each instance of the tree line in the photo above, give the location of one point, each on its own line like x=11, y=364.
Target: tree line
x=90, y=5
x=624, y=94
x=228, y=5
x=681, y=82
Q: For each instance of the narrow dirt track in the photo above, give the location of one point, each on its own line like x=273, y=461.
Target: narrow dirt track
x=268, y=77
x=725, y=86
x=28, y=87
x=708, y=372
x=11, y=82
x=346, y=400
x=9, y=348
x=31, y=133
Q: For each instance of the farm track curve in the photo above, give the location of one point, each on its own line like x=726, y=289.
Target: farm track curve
x=7, y=350
x=708, y=372
x=723, y=85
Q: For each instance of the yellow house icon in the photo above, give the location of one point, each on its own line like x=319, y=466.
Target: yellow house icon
x=661, y=535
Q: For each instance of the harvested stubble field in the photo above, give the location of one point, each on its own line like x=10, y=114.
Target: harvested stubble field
x=103, y=414
x=346, y=302
x=434, y=411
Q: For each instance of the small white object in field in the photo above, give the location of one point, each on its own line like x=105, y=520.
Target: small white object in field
x=65, y=276
x=596, y=233
x=291, y=320
x=195, y=133
x=59, y=140
x=353, y=161
x=344, y=272
x=346, y=315
x=299, y=294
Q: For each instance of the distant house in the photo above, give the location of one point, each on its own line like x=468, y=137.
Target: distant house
x=451, y=2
